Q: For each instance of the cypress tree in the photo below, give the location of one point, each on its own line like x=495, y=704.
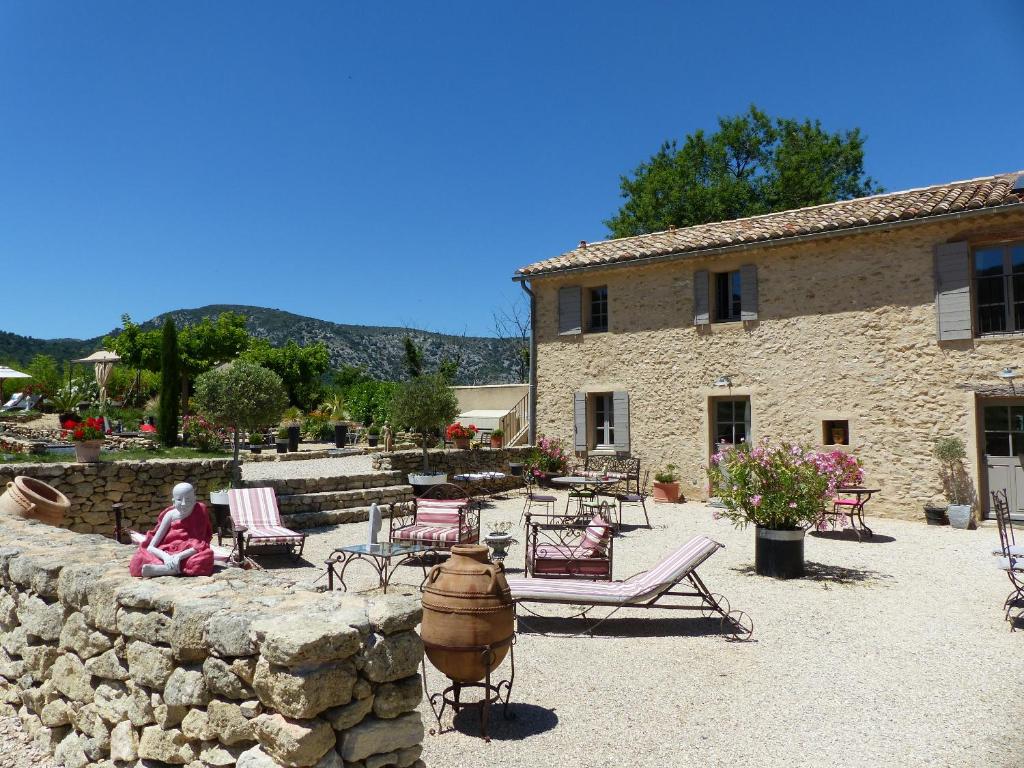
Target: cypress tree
x=170, y=385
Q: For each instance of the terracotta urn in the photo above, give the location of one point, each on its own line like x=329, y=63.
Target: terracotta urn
x=466, y=605
x=28, y=497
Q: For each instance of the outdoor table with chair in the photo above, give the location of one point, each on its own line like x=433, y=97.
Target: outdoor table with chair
x=849, y=502
x=582, y=489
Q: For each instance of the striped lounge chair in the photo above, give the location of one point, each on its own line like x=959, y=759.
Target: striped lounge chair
x=644, y=590
x=435, y=520
x=255, y=510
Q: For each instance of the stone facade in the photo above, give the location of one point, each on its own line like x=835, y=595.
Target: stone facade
x=106, y=669
x=143, y=486
x=846, y=329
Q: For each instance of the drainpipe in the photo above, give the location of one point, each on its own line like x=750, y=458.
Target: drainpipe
x=533, y=362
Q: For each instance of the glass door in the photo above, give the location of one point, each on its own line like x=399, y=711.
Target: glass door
x=731, y=421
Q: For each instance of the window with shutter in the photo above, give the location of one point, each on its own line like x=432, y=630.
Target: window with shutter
x=701, y=303
x=579, y=407
x=570, y=310
x=953, y=291
x=748, y=292
x=620, y=405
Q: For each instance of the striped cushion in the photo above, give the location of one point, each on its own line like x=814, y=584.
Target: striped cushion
x=443, y=534
x=595, y=538
x=562, y=560
x=437, y=517
x=256, y=510
x=670, y=570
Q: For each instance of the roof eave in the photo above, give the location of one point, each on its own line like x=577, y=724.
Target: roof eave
x=809, y=236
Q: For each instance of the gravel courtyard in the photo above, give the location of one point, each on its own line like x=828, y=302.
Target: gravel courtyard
x=892, y=652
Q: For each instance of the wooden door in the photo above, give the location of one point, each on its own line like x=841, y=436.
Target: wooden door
x=1003, y=448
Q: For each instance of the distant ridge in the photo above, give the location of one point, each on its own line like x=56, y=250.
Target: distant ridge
x=378, y=349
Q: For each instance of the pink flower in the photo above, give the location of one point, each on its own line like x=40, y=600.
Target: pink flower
x=792, y=505
x=756, y=500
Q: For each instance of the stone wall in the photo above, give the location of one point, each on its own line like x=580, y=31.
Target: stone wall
x=214, y=671
x=143, y=486
x=456, y=462
x=846, y=329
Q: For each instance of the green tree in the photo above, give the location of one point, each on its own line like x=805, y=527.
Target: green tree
x=170, y=385
x=240, y=396
x=45, y=374
x=413, y=357
x=300, y=368
x=752, y=164
x=425, y=403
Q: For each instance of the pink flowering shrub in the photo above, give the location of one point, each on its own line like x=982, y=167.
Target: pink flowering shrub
x=782, y=486
x=201, y=434
x=549, y=455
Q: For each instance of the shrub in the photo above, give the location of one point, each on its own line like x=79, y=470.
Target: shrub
x=201, y=434
x=549, y=455
x=425, y=403
x=318, y=426
x=669, y=474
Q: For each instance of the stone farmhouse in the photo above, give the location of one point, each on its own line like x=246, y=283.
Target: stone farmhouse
x=876, y=325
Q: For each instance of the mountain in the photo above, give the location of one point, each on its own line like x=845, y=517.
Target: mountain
x=378, y=349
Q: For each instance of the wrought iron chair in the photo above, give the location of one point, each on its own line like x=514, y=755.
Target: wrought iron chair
x=640, y=497
x=443, y=516
x=559, y=549
x=532, y=497
x=1012, y=560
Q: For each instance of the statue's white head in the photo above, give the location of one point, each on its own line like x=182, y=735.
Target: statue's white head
x=183, y=498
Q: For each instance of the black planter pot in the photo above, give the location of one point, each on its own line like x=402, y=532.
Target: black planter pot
x=935, y=515
x=293, y=439
x=779, y=553
x=516, y=470
x=65, y=417
x=340, y=435
x=255, y=449
x=372, y=440
x=281, y=445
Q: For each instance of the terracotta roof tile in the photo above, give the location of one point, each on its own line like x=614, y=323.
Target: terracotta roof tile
x=954, y=197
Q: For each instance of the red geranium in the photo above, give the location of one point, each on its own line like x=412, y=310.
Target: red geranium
x=458, y=432
x=76, y=431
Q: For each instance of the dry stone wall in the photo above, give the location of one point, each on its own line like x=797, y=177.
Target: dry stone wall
x=143, y=486
x=456, y=462
x=238, y=669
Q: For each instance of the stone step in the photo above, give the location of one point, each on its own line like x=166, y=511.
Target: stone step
x=319, y=501
x=301, y=520
x=297, y=485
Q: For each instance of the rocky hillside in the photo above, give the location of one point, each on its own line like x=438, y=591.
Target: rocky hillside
x=375, y=348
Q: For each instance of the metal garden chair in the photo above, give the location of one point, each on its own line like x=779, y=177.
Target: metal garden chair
x=1012, y=558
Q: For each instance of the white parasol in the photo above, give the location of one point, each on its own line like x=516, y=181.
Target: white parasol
x=103, y=363
x=10, y=373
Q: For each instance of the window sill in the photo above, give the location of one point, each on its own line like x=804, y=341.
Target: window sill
x=988, y=337
x=603, y=450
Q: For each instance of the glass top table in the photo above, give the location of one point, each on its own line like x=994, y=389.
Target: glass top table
x=384, y=557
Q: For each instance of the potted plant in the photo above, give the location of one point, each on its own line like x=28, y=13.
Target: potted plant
x=950, y=452
x=64, y=401
x=256, y=441
x=499, y=539
x=281, y=441
x=425, y=403
x=292, y=422
x=781, y=489
x=220, y=496
x=460, y=435
x=548, y=459
x=335, y=406
x=666, y=485
x=497, y=438
x=88, y=438
x=373, y=436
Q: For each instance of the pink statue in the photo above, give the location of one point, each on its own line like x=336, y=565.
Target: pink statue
x=179, y=545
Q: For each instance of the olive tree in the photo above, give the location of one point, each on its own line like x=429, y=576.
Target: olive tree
x=424, y=403
x=240, y=395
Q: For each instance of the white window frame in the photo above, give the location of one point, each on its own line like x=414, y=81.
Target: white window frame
x=603, y=429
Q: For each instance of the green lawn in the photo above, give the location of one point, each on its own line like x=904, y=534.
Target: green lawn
x=132, y=455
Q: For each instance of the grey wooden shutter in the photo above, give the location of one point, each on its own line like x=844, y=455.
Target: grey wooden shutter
x=701, y=305
x=953, y=290
x=579, y=408
x=620, y=412
x=748, y=292
x=570, y=310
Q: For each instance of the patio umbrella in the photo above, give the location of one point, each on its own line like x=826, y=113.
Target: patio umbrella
x=9, y=373
x=103, y=363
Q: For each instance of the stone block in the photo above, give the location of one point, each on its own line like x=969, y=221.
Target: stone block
x=70, y=677
x=392, y=699
x=149, y=665
x=373, y=736
x=186, y=687
x=70, y=753
x=139, y=706
x=108, y=666
x=228, y=632
x=223, y=681
x=215, y=754
x=79, y=637
x=124, y=743
x=324, y=637
x=39, y=660
x=392, y=657
x=228, y=722
x=56, y=713
x=37, y=571
x=112, y=701
x=196, y=726
x=144, y=624
x=168, y=746
x=304, y=693
x=40, y=619
x=294, y=743
x=343, y=718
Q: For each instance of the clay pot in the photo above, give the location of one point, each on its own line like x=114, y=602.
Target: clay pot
x=466, y=604
x=27, y=497
x=88, y=451
x=666, y=493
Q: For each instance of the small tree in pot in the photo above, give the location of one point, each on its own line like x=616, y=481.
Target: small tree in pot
x=240, y=396
x=426, y=403
x=956, y=484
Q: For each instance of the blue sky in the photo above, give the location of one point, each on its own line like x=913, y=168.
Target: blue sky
x=394, y=163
